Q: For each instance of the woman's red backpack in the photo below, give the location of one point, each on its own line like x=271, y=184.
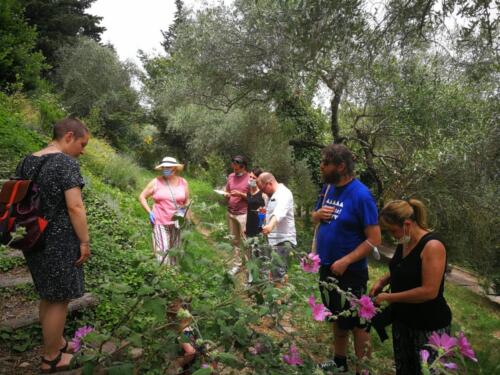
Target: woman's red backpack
x=20, y=208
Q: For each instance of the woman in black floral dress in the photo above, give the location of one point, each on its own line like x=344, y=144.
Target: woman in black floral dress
x=56, y=266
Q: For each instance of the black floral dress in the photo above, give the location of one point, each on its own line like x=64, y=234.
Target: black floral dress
x=52, y=266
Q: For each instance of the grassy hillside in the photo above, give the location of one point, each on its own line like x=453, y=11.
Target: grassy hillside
x=124, y=275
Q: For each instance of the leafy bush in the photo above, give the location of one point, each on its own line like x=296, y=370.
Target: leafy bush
x=94, y=83
x=16, y=140
x=50, y=111
x=20, y=64
x=117, y=170
x=213, y=170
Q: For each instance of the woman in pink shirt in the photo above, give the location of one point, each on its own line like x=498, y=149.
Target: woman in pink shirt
x=171, y=196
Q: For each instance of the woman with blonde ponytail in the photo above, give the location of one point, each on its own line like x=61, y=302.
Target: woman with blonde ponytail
x=416, y=280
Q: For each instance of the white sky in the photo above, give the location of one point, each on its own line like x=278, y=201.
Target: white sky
x=136, y=24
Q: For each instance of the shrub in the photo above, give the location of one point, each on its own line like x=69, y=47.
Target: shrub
x=16, y=140
x=117, y=170
x=214, y=170
x=50, y=111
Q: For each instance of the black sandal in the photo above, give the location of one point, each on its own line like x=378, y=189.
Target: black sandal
x=53, y=365
x=65, y=348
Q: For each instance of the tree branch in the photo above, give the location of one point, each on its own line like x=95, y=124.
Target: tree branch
x=305, y=144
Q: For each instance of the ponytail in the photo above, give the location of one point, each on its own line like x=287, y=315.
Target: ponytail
x=419, y=213
x=397, y=211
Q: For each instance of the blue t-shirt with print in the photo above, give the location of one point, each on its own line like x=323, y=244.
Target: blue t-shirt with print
x=354, y=210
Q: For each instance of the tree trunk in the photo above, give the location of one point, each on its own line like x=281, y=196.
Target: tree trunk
x=370, y=165
x=335, y=102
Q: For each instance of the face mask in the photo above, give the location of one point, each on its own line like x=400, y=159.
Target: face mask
x=167, y=172
x=403, y=240
x=252, y=183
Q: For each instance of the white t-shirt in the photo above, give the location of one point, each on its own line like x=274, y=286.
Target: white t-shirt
x=280, y=205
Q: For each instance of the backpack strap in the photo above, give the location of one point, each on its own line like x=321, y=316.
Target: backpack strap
x=173, y=196
x=38, y=170
x=35, y=178
x=314, y=249
x=12, y=198
x=17, y=185
x=21, y=168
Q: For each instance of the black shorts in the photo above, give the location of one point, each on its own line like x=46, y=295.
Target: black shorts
x=352, y=280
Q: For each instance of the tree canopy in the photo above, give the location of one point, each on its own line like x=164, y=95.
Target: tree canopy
x=61, y=22
x=20, y=63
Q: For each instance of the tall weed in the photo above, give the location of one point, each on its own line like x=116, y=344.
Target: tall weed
x=16, y=140
x=115, y=169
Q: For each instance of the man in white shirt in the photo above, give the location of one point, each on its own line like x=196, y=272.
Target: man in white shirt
x=280, y=222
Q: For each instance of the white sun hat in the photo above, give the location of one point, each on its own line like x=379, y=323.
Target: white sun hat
x=169, y=162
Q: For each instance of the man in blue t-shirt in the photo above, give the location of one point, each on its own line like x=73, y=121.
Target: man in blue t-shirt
x=348, y=230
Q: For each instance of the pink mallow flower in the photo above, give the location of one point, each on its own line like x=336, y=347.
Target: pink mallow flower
x=450, y=365
x=319, y=311
x=365, y=306
x=465, y=347
x=257, y=349
x=424, y=355
x=445, y=342
x=310, y=263
x=293, y=358
x=79, y=335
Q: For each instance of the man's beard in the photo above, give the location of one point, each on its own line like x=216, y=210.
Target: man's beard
x=332, y=178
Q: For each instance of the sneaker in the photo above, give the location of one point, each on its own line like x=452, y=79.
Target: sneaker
x=233, y=271
x=330, y=365
x=327, y=365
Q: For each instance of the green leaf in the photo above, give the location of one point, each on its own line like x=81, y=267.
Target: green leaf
x=145, y=290
x=122, y=331
x=20, y=347
x=226, y=247
x=240, y=332
x=135, y=339
x=124, y=369
x=203, y=371
x=229, y=360
x=95, y=338
x=88, y=368
x=156, y=307
x=342, y=299
x=121, y=288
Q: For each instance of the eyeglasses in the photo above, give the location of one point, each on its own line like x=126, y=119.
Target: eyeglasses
x=237, y=162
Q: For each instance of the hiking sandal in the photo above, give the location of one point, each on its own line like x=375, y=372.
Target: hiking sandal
x=53, y=365
x=66, y=348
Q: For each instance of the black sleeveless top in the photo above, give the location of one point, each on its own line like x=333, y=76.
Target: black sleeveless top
x=406, y=274
x=254, y=202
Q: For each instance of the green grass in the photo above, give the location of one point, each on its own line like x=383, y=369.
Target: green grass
x=474, y=315
x=16, y=140
x=8, y=263
x=113, y=169
x=479, y=319
x=122, y=265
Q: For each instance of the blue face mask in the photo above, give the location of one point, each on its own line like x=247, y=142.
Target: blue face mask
x=167, y=172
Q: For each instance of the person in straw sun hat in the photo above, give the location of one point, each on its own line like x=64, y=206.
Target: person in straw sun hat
x=170, y=194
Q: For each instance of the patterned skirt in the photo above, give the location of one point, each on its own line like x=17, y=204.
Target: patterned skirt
x=165, y=237
x=407, y=343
